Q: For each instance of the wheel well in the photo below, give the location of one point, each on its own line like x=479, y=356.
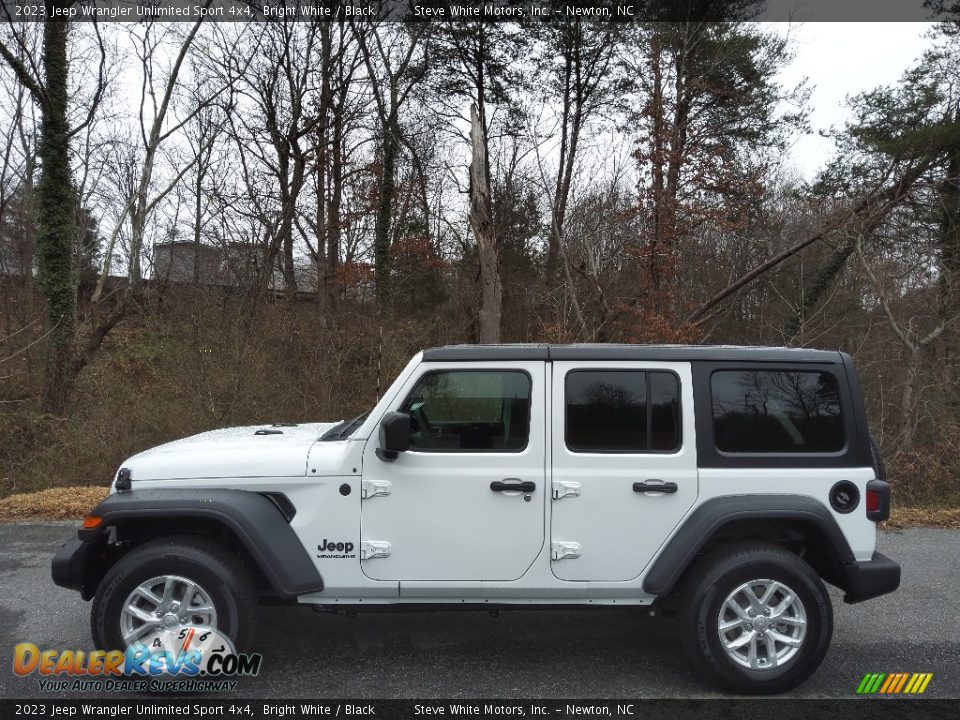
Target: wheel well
x=125, y=535
x=804, y=538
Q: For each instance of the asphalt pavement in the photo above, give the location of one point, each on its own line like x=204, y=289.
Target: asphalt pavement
x=592, y=653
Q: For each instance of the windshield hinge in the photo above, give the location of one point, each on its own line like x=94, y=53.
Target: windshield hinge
x=372, y=488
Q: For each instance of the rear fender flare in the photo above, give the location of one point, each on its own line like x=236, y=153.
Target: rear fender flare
x=680, y=551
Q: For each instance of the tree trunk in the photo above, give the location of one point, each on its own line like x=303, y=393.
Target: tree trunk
x=381, y=242
x=291, y=183
x=658, y=161
x=481, y=221
x=198, y=222
x=55, y=215
x=289, y=270
x=553, y=248
x=909, y=399
x=324, y=278
x=335, y=202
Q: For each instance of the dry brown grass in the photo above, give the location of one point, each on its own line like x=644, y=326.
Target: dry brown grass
x=923, y=517
x=71, y=503
x=66, y=503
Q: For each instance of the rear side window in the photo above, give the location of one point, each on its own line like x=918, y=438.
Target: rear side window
x=622, y=411
x=779, y=411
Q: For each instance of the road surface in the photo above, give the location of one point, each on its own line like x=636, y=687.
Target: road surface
x=520, y=654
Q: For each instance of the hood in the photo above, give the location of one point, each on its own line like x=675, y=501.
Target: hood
x=277, y=451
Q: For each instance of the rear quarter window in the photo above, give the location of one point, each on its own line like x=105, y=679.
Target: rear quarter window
x=776, y=411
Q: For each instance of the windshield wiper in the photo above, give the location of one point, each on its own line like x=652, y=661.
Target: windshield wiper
x=344, y=429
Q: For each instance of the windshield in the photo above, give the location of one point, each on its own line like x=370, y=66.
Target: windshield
x=343, y=430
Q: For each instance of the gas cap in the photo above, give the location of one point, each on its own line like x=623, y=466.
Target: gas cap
x=844, y=497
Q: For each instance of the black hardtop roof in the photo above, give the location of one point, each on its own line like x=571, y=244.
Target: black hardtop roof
x=603, y=351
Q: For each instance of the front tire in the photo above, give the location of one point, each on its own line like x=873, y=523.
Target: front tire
x=186, y=580
x=756, y=619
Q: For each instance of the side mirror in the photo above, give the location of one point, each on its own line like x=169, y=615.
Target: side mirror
x=394, y=435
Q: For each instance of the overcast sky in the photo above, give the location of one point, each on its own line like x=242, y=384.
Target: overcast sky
x=842, y=59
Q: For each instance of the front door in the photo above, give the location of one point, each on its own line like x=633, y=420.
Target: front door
x=467, y=501
x=624, y=465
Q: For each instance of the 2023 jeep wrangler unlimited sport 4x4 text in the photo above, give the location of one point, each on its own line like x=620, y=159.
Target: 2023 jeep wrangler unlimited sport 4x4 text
x=726, y=483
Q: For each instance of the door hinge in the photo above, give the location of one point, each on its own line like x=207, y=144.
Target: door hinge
x=373, y=549
x=372, y=488
x=565, y=488
x=561, y=550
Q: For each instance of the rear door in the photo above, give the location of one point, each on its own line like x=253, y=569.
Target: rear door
x=624, y=464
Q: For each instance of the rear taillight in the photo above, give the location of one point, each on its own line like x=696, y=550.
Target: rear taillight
x=878, y=500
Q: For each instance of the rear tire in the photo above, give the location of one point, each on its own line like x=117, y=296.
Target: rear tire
x=776, y=617
x=221, y=581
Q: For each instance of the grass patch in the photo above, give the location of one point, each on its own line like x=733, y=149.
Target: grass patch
x=65, y=503
x=923, y=518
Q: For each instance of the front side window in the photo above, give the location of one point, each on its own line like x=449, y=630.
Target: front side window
x=622, y=411
x=470, y=411
x=782, y=411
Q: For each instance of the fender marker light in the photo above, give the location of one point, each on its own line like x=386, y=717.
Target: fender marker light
x=91, y=521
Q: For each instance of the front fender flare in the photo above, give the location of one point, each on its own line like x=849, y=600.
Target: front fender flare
x=255, y=520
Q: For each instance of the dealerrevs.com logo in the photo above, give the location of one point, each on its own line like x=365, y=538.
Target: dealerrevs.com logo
x=188, y=659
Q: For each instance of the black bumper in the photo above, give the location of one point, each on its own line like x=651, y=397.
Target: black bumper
x=865, y=580
x=69, y=565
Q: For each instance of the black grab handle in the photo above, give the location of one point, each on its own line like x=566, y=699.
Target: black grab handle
x=668, y=487
x=527, y=486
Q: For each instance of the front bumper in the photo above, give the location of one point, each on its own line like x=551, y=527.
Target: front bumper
x=69, y=566
x=865, y=580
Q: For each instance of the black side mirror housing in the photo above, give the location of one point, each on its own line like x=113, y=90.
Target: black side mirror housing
x=394, y=435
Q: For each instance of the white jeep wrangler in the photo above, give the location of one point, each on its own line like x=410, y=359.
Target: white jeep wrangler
x=725, y=483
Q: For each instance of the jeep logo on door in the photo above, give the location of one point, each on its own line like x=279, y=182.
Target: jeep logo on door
x=333, y=549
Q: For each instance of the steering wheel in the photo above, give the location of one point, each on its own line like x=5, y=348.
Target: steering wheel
x=423, y=425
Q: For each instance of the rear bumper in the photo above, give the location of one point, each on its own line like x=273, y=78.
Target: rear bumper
x=865, y=580
x=69, y=565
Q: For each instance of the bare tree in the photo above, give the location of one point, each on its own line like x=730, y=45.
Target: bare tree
x=586, y=83
x=273, y=124
x=155, y=130
x=913, y=341
x=481, y=222
x=391, y=57
x=336, y=110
